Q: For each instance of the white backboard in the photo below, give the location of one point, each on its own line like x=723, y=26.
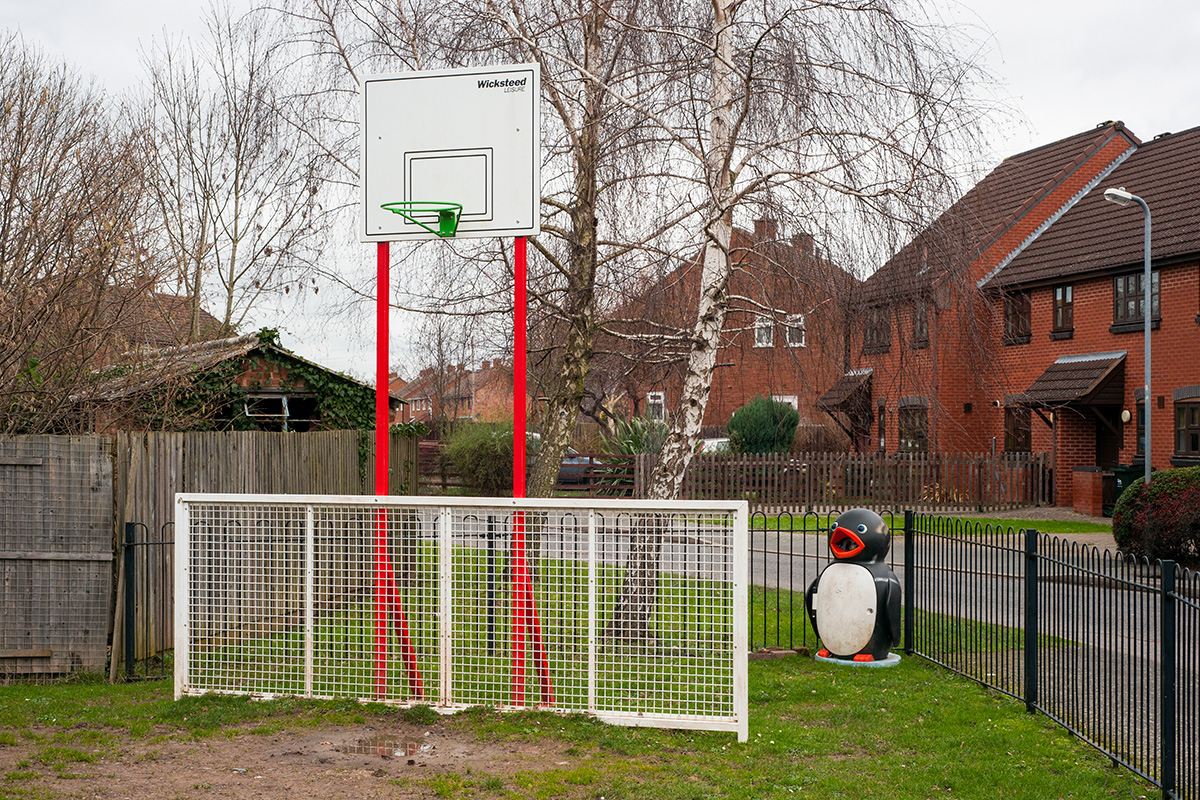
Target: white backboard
x=468, y=136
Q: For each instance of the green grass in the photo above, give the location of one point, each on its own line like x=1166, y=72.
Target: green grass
x=970, y=524
x=910, y=732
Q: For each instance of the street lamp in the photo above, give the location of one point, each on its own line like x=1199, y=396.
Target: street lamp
x=1124, y=198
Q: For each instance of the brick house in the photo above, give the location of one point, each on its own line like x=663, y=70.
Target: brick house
x=924, y=362
x=1017, y=315
x=456, y=392
x=1073, y=304
x=783, y=335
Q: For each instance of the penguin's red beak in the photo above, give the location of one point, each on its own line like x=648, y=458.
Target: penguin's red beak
x=844, y=543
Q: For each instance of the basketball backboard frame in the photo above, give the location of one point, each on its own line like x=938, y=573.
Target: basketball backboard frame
x=467, y=136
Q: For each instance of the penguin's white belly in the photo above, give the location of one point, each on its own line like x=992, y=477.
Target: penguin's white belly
x=846, y=608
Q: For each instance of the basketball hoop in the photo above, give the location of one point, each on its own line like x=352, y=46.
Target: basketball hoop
x=418, y=213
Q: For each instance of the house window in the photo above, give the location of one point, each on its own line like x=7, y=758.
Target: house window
x=1018, y=430
x=1187, y=428
x=656, y=405
x=1129, y=299
x=882, y=427
x=764, y=332
x=1064, y=309
x=790, y=399
x=920, y=323
x=1017, y=322
x=877, y=338
x=913, y=429
x=796, y=333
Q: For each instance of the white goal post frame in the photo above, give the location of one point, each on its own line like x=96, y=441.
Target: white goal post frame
x=737, y=722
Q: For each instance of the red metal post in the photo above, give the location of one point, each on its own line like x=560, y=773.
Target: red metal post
x=519, y=346
x=382, y=561
x=525, y=614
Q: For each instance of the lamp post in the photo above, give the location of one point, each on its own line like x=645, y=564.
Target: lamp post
x=1124, y=198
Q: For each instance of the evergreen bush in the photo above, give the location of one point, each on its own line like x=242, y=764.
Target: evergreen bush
x=637, y=436
x=483, y=454
x=763, y=426
x=1162, y=520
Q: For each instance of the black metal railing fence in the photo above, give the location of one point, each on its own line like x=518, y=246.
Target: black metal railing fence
x=1105, y=645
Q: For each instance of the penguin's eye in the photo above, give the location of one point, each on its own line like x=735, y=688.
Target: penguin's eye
x=862, y=528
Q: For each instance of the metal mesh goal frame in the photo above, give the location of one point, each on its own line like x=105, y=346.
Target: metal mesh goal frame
x=634, y=612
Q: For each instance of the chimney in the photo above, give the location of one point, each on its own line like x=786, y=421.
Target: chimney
x=803, y=241
x=765, y=230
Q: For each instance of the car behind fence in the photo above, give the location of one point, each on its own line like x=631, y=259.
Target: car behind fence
x=1107, y=646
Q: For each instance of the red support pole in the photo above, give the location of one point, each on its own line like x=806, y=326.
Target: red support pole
x=525, y=615
x=519, y=346
x=382, y=559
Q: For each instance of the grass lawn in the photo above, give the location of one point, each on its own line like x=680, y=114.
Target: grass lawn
x=914, y=731
x=971, y=524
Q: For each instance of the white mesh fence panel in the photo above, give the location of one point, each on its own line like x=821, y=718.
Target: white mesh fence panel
x=633, y=611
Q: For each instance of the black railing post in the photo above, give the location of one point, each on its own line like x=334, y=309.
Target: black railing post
x=130, y=598
x=1166, y=662
x=910, y=591
x=1031, y=619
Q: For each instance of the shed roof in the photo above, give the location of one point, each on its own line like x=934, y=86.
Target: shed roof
x=139, y=372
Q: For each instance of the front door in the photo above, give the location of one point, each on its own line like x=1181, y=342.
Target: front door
x=1108, y=436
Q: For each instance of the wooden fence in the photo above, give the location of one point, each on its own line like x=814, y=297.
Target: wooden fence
x=55, y=553
x=151, y=467
x=927, y=483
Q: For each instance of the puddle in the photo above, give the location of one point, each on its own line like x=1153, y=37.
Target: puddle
x=389, y=746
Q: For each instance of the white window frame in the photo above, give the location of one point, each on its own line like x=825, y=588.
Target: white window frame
x=791, y=399
x=795, y=325
x=764, y=332
x=656, y=400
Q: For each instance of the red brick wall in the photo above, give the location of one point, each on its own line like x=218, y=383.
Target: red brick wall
x=1175, y=354
x=1088, y=493
x=261, y=373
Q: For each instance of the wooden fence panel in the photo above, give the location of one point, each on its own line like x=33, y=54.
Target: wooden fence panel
x=151, y=467
x=55, y=553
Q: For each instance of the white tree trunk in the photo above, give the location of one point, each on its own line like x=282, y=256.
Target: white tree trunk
x=667, y=479
x=638, y=601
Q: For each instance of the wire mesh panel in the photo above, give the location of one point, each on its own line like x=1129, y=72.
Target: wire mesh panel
x=634, y=611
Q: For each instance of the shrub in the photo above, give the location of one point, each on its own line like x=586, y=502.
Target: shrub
x=763, y=426
x=483, y=453
x=1171, y=506
x=635, y=437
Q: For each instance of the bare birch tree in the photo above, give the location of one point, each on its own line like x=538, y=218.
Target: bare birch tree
x=852, y=109
x=236, y=187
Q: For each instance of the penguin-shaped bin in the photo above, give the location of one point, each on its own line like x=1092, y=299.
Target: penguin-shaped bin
x=854, y=603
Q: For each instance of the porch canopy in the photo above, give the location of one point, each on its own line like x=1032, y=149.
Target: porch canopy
x=1088, y=379
x=851, y=392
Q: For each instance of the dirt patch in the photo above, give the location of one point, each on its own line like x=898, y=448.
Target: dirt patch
x=341, y=763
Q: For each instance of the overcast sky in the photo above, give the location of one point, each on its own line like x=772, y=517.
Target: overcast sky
x=1063, y=67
